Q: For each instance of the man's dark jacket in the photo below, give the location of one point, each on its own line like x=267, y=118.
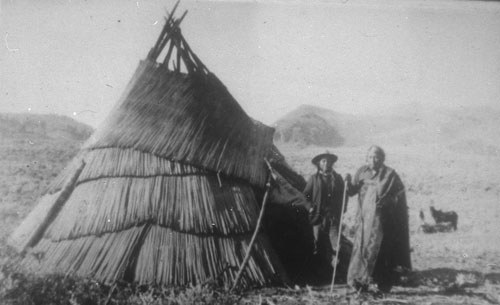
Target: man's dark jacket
x=324, y=207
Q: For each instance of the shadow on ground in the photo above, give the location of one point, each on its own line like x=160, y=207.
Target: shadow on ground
x=449, y=278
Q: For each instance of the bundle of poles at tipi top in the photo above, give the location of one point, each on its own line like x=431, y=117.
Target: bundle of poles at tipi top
x=170, y=39
x=166, y=191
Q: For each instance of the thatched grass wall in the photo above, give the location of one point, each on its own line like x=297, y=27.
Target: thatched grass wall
x=188, y=118
x=192, y=204
x=137, y=216
x=167, y=190
x=104, y=257
x=152, y=254
x=188, y=258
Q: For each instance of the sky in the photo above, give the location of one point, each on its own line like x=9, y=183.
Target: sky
x=75, y=57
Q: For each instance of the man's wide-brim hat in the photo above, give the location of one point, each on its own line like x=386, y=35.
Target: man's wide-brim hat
x=331, y=157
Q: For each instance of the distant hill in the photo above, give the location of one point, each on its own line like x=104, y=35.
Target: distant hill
x=337, y=129
x=307, y=127
x=42, y=126
x=473, y=130
x=34, y=148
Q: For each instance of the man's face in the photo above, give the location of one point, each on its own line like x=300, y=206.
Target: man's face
x=325, y=164
x=374, y=159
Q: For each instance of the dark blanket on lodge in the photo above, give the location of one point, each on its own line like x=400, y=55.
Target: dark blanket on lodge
x=288, y=227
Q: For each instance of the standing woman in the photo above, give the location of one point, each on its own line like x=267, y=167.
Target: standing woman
x=382, y=245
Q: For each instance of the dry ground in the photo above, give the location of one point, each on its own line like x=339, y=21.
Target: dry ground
x=461, y=267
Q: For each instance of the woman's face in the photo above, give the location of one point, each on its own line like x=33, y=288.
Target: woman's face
x=374, y=160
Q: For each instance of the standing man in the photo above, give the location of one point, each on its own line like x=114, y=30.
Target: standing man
x=324, y=191
x=382, y=245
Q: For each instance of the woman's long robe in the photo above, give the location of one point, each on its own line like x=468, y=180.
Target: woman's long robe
x=381, y=243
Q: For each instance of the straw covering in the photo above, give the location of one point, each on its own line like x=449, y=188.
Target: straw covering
x=187, y=118
x=161, y=256
x=164, y=191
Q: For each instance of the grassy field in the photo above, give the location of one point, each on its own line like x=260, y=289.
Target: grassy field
x=465, y=183
x=26, y=169
x=456, y=267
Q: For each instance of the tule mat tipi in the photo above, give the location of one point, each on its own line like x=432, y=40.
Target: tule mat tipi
x=166, y=191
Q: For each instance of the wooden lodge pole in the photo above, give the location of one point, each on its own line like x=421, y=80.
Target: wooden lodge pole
x=339, y=236
x=257, y=228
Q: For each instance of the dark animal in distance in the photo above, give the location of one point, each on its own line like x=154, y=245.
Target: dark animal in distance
x=424, y=226
x=443, y=217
